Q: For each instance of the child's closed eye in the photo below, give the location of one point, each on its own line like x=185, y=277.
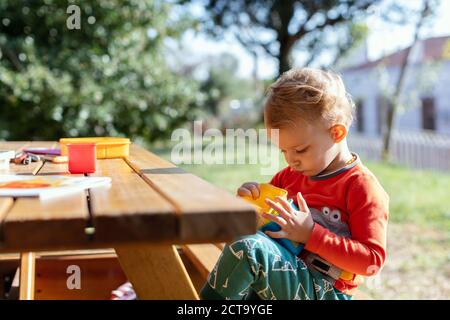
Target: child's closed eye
x=302, y=150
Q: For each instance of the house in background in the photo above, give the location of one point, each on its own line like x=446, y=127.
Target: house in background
x=425, y=95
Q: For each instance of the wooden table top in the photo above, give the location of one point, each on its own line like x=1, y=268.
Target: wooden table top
x=150, y=200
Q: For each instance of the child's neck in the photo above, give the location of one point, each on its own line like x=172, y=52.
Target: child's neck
x=343, y=156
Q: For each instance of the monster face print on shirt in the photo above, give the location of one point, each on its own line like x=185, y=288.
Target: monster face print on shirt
x=331, y=219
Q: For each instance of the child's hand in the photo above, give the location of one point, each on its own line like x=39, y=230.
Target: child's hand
x=295, y=225
x=250, y=189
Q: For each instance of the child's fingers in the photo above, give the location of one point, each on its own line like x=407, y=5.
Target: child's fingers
x=302, y=203
x=278, y=234
x=243, y=192
x=286, y=205
x=254, y=190
x=278, y=220
x=279, y=208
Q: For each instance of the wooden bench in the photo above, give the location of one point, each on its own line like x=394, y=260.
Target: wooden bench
x=200, y=260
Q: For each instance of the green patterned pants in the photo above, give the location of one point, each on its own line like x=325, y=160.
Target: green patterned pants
x=256, y=267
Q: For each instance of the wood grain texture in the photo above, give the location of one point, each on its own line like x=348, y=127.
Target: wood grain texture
x=197, y=279
x=220, y=245
x=50, y=168
x=99, y=276
x=149, y=200
x=26, y=280
x=156, y=272
x=203, y=256
x=76, y=253
x=129, y=210
x=206, y=213
x=7, y=202
x=13, y=145
x=32, y=225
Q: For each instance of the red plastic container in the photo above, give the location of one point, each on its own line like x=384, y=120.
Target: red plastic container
x=82, y=157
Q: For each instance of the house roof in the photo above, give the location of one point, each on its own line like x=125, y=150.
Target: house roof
x=433, y=49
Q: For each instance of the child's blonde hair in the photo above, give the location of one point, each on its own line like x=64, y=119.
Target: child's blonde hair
x=309, y=94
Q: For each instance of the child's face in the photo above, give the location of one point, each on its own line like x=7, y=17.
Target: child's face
x=308, y=149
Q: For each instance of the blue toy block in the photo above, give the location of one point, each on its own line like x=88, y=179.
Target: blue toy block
x=294, y=247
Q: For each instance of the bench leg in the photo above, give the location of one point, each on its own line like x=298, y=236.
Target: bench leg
x=26, y=279
x=156, y=272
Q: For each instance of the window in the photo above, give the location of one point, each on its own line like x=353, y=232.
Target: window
x=382, y=108
x=428, y=114
x=359, y=116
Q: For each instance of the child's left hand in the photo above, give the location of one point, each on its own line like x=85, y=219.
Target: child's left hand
x=296, y=225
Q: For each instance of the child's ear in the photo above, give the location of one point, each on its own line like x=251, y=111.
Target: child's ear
x=338, y=132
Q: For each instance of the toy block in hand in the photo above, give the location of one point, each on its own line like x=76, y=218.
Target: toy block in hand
x=268, y=191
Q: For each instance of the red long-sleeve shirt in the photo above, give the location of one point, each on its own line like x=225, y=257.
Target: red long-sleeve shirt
x=351, y=211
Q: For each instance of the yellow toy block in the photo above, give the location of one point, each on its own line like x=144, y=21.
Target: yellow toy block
x=266, y=190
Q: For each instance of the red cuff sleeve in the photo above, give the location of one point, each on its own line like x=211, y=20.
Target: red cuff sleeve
x=315, y=240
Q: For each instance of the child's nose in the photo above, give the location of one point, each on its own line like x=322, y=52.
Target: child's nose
x=291, y=158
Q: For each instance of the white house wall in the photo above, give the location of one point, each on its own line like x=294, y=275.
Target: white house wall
x=360, y=86
x=442, y=102
x=363, y=84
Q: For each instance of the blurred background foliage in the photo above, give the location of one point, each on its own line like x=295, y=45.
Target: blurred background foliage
x=107, y=78
x=116, y=76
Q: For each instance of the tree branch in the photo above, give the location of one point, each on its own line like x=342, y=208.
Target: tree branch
x=13, y=58
x=253, y=42
x=400, y=81
x=302, y=30
x=328, y=21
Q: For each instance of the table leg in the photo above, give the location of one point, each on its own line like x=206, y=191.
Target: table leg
x=26, y=279
x=156, y=272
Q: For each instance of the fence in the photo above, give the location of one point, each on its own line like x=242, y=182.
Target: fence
x=421, y=150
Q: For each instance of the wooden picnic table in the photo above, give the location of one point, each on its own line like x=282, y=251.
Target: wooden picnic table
x=150, y=206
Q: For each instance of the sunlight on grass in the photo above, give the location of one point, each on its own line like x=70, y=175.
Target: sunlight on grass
x=416, y=196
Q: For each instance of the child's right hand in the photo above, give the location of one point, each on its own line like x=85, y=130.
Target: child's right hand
x=250, y=189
